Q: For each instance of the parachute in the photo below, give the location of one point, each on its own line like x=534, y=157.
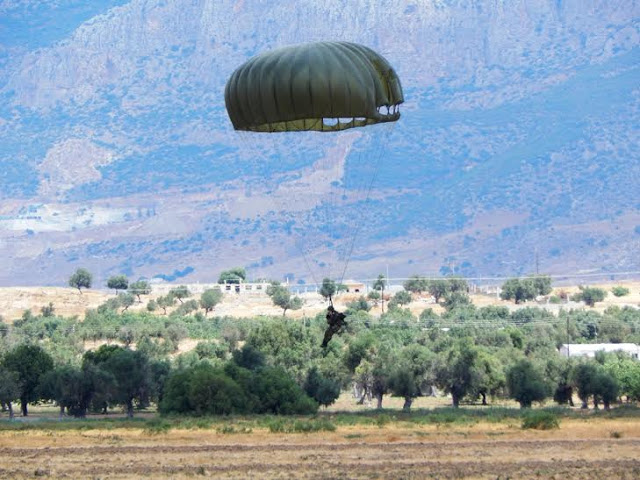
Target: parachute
x=296, y=88
x=301, y=90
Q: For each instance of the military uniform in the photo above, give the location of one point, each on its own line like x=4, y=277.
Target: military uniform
x=336, y=322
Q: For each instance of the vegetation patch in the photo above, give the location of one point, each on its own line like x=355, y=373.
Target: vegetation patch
x=157, y=426
x=232, y=429
x=540, y=420
x=300, y=425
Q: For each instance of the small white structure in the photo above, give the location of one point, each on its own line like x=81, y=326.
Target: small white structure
x=354, y=286
x=590, y=349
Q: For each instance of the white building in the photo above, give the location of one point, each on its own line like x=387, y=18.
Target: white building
x=590, y=349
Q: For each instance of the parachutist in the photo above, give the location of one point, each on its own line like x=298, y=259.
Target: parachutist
x=336, y=323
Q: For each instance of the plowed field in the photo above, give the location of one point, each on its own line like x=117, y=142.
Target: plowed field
x=579, y=449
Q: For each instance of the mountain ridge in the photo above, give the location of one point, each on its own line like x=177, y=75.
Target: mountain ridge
x=528, y=110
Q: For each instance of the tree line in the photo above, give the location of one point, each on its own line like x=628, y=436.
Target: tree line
x=486, y=354
x=473, y=354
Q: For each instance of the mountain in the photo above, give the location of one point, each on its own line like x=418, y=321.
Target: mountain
x=517, y=149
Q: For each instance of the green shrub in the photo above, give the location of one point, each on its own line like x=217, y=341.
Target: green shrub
x=278, y=393
x=620, y=291
x=287, y=425
x=194, y=423
x=230, y=429
x=382, y=420
x=589, y=295
x=157, y=426
x=211, y=392
x=540, y=420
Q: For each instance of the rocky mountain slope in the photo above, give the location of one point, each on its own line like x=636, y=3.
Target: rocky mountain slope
x=518, y=144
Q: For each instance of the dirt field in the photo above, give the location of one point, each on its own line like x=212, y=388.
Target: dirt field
x=68, y=301
x=579, y=449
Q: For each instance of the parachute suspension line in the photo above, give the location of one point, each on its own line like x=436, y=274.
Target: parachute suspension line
x=340, y=251
x=359, y=184
x=297, y=244
x=387, y=133
x=336, y=193
x=308, y=265
x=325, y=241
x=337, y=242
x=273, y=193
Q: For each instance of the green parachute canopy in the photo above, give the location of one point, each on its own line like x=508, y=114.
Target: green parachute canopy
x=323, y=86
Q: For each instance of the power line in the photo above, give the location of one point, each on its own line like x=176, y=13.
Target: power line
x=503, y=278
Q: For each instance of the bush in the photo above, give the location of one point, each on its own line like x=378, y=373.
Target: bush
x=589, y=295
x=323, y=390
x=211, y=392
x=382, y=420
x=156, y=426
x=360, y=304
x=520, y=289
x=620, y=291
x=540, y=420
x=284, y=425
x=230, y=429
x=204, y=389
x=278, y=393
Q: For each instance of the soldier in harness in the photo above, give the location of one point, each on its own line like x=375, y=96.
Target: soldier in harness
x=336, y=321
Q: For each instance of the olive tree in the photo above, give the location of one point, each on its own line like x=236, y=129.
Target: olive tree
x=328, y=288
x=82, y=278
x=416, y=284
x=73, y=388
x=234, y=275
x=438, y=288
x=28, y=363
x=281, y=297
x=141, y=287
x=594, y=380
x=522, y=289
x=526, y=384
x=118, y=282
x=590, y=295
x=9, y=389
x=323, y=390
x=399, y=299
x=210, y=298
x=131, y=372
x=456, y=371
x=413, y=368
x=626, y=371
x=165, y=302
x=180, y=292
x=126, y=300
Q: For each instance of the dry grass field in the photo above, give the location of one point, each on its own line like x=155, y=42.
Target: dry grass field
x=596, y=448
x=69, y=302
